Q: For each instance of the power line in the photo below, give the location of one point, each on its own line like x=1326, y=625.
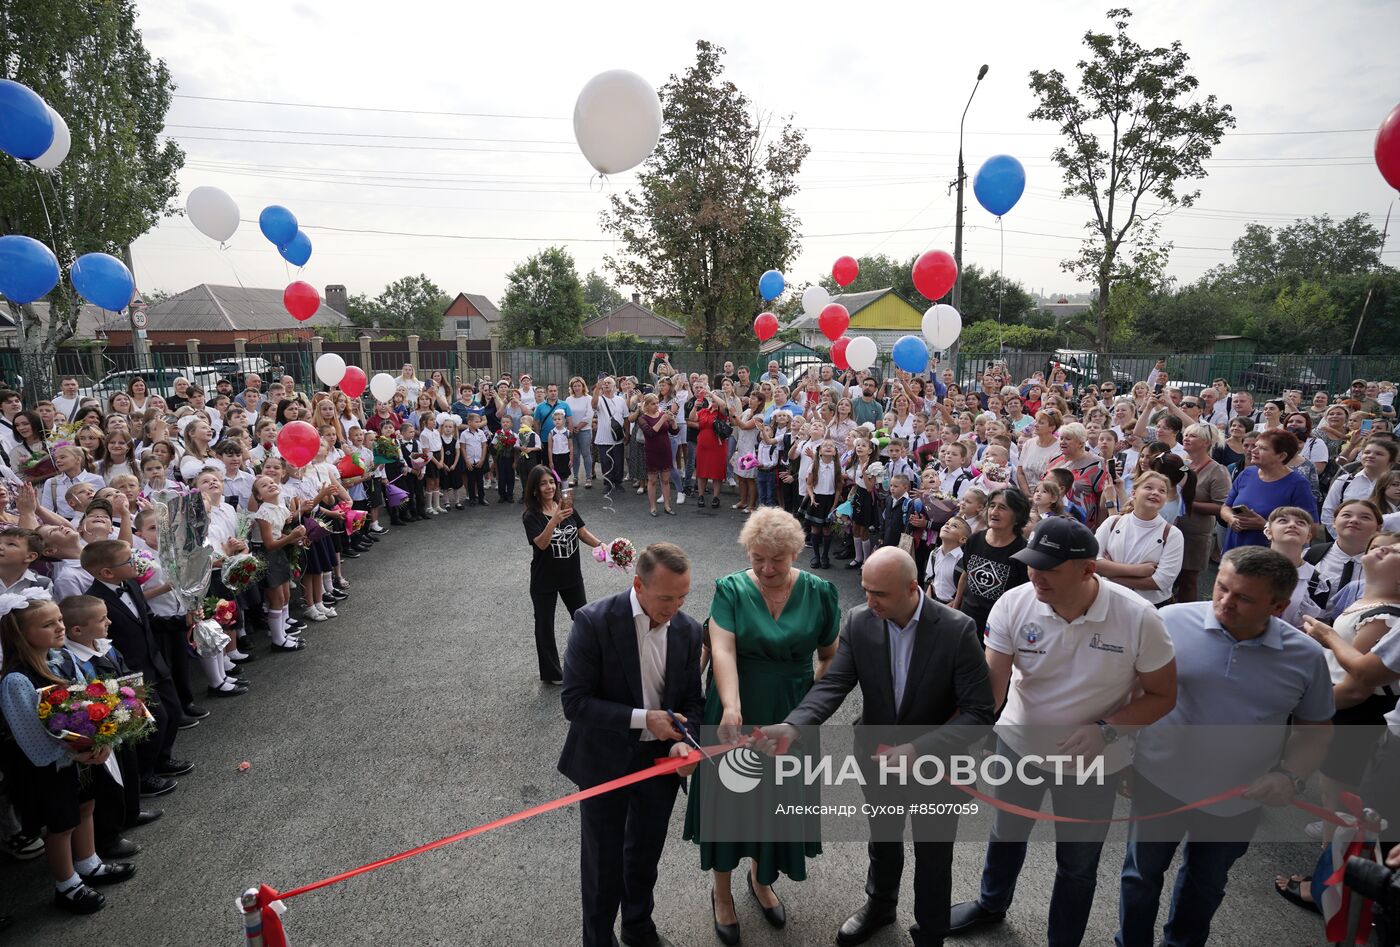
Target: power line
x=565, y=118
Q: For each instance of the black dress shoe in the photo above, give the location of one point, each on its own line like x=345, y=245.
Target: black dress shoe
x=970, y=915
x=238, y=691
x=147, y=816
x=247, y=656
x=728, y=934
x=121, y=848
x=157, y=786
x=652, y=940
x=187, y=723
x=173, y=767
x=109, y=873
x=195, y=711
x=80, y=900
x=349, y=554
x=777, y=916
x=863, y=924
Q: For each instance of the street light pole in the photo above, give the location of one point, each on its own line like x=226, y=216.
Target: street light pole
x=958, y=226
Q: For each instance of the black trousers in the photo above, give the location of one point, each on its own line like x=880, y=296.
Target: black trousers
x=545, y=645
x=610, y=459
x=505, y=479
x=166, y=710
x=933, y=862
x=623, y=834
x=476, y=483
x=117, y=806
x=171, y=632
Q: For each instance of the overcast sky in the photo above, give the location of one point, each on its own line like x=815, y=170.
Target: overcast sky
x=879, y=87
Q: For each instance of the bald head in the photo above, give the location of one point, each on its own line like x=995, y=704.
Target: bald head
x=891, y=583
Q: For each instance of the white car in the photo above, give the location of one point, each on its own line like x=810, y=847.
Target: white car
x=159, y=381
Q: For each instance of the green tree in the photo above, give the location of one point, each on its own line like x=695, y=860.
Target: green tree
x=986, y=337
x=1317, y=248
x=709, y=212
x=1303, y=318
x=543, y=304
x=599, y=296
x=1136, y=130
x=413, y=305
x=90, y=63
x=1186, y=320
x=982, y=292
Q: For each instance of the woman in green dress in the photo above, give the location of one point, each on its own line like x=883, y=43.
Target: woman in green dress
x=765, y=625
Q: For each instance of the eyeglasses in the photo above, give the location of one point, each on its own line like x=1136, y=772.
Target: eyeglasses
x=1190, y=404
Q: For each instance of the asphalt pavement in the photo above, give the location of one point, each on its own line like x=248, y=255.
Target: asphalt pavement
x=418, y=713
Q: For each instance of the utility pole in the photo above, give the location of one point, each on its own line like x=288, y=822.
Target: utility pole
x=136, y=318
x=958, y=225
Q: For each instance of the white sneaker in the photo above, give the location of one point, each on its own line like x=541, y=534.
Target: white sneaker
x=328, y=611
x=314, y=613
x=680, y=499
x=1314, y=830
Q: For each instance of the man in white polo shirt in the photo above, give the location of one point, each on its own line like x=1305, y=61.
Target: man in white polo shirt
x=1081, y=662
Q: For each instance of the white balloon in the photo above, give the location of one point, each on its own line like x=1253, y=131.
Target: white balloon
x=58, y=150
x=814, y=300
x=617, y=120
x=212, y=212
x=942, y=325
x=861, y=352
x=382, y=387
x=330, y=368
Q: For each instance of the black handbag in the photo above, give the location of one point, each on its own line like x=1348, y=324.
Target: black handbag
x=723, y=429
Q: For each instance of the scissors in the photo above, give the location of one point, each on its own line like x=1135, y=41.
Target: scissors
x=685, y=733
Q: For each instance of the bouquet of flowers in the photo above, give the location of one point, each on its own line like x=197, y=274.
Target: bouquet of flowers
x=505, y=440
x=221, y=610
x=145, y=565
x=42, y=466
x=240, y=571
x=354, y=519
x=294, y=562
x=746, y=462
x=618, y=554
x=996, y=476
x=386, y=451
x=350, y=466
x=98, y=714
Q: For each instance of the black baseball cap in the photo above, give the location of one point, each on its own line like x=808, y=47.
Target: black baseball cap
x=1057, y=540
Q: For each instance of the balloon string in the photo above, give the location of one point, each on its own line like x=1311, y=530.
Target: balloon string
x=53, y=237
x=1001, y=283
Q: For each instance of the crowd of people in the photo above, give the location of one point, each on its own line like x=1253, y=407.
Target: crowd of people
x=1164, y=481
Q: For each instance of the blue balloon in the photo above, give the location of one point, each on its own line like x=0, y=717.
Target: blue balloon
x=28, y=269
x=999, y=184
x=103, y=280
x=277, y=224
x=910, y=353
x=770, y=285
x=298, y=250
x=26, y=128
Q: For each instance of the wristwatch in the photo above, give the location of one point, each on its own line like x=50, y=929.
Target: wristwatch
x=1109, y=731
x=1298, y=784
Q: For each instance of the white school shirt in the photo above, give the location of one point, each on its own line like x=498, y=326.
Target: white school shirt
x=69, y=578
x=1301, y=604
x=558, y=440
x=239, y=485
x=473, y=444
x=942, y=572
x=1352, y=486
x=429, y=441
x=1068, y=674
x=1131, y=540
x=826, y=480
x=51, y=493
x=804, y=466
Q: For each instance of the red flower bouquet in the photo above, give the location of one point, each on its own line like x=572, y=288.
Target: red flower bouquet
x=221, y=610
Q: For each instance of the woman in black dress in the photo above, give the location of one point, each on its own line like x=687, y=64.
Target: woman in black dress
x=554, y=532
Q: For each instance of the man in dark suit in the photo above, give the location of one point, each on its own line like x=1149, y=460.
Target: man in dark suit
x=631, y=658
x=110, y=562
x=918, y=664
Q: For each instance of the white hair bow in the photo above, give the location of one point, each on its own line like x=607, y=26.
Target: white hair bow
x=11, y=601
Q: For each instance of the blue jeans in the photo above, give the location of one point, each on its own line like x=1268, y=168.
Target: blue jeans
x=583, y=453
x=1077, y=850
x=767, y=481
x=1200, y=882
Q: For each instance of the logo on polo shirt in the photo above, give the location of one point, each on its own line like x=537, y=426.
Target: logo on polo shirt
x=1099, y=644
x=1031, y=633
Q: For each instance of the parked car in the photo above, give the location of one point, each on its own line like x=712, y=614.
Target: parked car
x=237, y=370
x=1268, y=379
x=1081, y=368
x=160, y=381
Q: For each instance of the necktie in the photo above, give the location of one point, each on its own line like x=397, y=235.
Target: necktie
x=1348, y=569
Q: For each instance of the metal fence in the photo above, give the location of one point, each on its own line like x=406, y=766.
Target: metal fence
x=1262, y=373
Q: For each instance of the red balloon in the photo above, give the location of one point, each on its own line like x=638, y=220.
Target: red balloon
x=301, y=300
x=354, y=382
x=838, y=353
x=935, y=273
x=765, y=326
x=298, y=442
x=833, y=321
x=1388, y=148
x=845, y=270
